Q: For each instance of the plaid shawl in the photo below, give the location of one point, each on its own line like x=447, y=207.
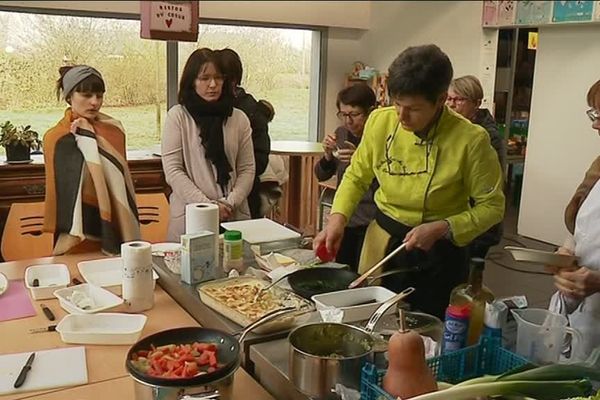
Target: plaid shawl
x=89, y=191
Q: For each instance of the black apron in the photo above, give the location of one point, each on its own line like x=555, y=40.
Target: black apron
x=433, y=273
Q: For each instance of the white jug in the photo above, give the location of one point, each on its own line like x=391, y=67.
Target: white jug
x=541, y=335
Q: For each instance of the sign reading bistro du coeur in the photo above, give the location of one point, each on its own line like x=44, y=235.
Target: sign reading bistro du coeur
x=169, y=20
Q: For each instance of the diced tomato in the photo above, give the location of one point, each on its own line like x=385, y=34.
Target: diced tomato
x=212, y=359
x=142, y=353
x=204, y=358
x=190, y=369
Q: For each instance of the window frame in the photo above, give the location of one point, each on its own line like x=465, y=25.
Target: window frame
x=316, y=116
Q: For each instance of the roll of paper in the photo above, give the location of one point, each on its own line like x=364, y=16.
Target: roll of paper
x=203, y=217
x=138, y=283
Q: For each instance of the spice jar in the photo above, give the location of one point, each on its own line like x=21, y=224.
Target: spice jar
x=233, y=251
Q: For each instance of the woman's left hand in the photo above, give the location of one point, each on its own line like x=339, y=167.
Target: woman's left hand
x=425, y=235
x=581, y=283
x=81, y=123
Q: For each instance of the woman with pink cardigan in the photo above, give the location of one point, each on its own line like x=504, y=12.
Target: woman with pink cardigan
x=207, y=152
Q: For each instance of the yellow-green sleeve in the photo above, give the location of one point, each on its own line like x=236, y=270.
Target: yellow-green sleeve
x=358, y=176
x=484, y=184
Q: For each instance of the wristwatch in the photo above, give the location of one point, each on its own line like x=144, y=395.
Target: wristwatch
x=448, y=233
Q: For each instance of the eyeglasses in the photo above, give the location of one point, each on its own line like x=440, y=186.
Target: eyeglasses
x=593, y=114
x=457, y=100
x=396, y=167
x=352, y=115
x=207, y=78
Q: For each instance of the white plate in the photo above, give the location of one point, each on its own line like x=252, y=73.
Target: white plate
x=3, y=284
x=101, y=298
x=158, y=249
x=105, y=272
x=103, y=328
x=541, y=257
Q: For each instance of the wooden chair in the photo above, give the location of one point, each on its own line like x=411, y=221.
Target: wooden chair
x=23, y=237
x=153, y=210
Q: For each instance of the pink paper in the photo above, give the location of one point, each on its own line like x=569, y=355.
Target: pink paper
x=15, y=302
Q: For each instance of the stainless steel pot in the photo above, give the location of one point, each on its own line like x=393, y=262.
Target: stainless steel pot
x=323, y=354
x=215, y=385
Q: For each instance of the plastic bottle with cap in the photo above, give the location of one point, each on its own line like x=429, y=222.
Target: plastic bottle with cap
x=233, y=251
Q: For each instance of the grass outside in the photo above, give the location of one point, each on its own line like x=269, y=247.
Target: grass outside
x=140, y=122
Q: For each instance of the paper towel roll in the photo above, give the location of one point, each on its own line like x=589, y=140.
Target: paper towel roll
x=203, y=217
x=138, y=284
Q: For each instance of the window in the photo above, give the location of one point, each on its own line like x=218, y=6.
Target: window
x=34, y=46
x=277, y=67
x=280, y=65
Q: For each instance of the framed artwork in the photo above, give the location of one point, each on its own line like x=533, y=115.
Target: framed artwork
x=490, y=13
x=597, y=11
x=169, y=20
x=507, y=11
x=569, y=11
x=534, y=12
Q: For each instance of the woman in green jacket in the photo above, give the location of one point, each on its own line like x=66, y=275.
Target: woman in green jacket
x=429, y=161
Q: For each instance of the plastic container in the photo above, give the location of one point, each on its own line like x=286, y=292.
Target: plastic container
x=349, y=302
x=233, y=251
x=541, y=334
x=486, y=358
x=103, y=328
x=101, y=299
x=50, y=277
x=106, y=273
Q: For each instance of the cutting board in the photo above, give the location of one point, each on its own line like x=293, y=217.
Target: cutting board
x=261, y=230
x=50, y=369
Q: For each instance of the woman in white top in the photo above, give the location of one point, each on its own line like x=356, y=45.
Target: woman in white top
x=207, y=152
x=578, y=294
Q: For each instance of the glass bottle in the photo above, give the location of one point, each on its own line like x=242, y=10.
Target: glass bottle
x=475, y=295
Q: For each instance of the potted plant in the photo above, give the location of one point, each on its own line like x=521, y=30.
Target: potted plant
x=18, y=142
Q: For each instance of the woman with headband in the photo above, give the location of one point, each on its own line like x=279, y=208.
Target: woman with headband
x=90, y=198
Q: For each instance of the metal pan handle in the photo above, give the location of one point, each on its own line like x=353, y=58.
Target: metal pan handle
x=384, y=307
x=264, y=319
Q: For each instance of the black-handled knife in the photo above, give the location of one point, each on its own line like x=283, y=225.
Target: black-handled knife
x=24, y=371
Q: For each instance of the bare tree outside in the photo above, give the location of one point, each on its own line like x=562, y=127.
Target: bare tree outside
x=34, y=46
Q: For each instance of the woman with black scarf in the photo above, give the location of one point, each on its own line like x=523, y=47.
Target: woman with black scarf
x=207, y=152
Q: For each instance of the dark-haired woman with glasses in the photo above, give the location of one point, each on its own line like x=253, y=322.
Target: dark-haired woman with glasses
x=578, y=295
x=207, y=152
x=354, y=104
x=429, y=162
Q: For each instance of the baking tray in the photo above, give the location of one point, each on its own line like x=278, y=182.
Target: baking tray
x=286, y=298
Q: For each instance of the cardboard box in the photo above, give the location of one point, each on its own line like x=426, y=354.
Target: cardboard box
x=198, y=258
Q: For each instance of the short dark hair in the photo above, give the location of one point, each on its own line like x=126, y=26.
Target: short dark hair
x=192, y=68
x=232, y=63
x=91, y=84
x=420, y=71
x=357, y=95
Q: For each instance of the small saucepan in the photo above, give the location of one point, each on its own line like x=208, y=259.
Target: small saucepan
x=323, y=354
x=208, y=385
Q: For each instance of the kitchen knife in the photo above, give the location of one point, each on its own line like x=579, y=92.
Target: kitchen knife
x=50, y=328
x=24, y=371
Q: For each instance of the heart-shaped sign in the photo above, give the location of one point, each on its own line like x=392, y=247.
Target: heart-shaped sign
x=169, y=22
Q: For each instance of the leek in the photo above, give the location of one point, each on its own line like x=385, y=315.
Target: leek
x=549, y=382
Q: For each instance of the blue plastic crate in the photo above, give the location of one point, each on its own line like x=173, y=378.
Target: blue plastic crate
x=486, y=358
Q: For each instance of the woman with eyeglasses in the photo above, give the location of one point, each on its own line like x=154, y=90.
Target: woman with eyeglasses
x=464, y=96
x=207, y=152
x=354, y=104
x=578, y=295
x=429, y=162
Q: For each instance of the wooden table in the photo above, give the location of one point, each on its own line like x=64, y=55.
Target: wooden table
x=106, y=364
x=301, y=197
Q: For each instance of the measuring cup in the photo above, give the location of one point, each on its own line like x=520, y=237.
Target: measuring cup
x=541, y=335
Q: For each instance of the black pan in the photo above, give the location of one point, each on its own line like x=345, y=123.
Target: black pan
x=310, y=281
x=228, y=354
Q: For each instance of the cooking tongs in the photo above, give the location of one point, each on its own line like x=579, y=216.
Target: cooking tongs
x=375, y=267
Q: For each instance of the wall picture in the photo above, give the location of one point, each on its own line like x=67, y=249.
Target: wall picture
x=533, y=12
x=567, y=11
x=507, y=11
x=490, y=13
